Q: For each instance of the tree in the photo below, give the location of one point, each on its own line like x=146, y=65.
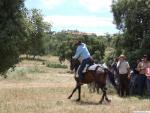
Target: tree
x=132, y=17
x=39, y=33
x=11, y=32
x=66, y=49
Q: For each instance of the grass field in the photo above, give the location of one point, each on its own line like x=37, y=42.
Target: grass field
x=35, y=88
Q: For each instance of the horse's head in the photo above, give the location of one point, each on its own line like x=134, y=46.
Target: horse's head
x=74, y=64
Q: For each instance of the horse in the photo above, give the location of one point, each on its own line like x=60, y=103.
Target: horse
x=98, y=76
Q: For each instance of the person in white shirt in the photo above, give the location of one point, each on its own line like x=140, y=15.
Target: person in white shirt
x=83, y=55
x=124, y=74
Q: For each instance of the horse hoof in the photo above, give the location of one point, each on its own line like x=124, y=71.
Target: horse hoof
x=69, y=97
x=78, y=100
x=100, y=102
x=108, y=100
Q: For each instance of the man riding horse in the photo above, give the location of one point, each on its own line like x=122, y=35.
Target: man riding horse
x=82, y=54
x=95, y=73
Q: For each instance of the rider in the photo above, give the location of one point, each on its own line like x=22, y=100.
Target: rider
x=82, y=53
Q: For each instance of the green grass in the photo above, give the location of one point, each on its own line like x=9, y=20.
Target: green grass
x=25, y=73
x=53, y=65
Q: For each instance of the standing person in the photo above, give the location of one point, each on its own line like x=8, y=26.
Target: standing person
x=113, y=74
x=134, y=78
x=135, y=70
x=124, y=72
x=148, y=79
x=114, y=69
x=82, y=53
x=142, y=75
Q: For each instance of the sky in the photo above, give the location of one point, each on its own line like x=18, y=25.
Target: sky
x=91, y=16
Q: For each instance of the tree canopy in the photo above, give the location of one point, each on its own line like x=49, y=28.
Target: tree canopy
x=38, y=33
x=132, y=18
x=94, y=43
x=11, y=32
x=21, y=32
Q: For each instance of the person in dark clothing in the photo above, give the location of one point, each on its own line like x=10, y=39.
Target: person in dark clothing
x=142, y=75
x=113, y=71
x=134, y=79
x=148, y=79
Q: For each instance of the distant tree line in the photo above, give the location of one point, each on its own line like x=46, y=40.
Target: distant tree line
x=66, y=48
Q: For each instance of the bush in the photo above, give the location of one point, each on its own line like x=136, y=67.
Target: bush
x=18, y=74
x=52, y=65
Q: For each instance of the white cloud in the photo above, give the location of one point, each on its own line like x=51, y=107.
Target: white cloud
x=51, y=3
x=96, y=5
x=95, y=24
x=83, y=23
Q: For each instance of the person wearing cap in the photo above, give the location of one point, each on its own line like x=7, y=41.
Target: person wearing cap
x=82, y=54
x=142, y=75
x=124, y=72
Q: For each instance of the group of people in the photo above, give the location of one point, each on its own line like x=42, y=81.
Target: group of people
x=121, y=73
x=131, y=78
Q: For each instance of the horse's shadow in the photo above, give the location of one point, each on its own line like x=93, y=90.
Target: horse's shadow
x=81, y=102
x=86, y=102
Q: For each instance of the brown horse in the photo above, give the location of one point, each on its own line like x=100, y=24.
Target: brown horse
x=97, y=76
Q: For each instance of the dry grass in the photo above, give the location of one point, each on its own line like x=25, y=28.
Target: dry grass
x=34, y=88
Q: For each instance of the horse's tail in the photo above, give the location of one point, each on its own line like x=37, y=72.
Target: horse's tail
x=111, y=78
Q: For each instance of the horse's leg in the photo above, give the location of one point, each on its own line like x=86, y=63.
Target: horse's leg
x=97, y=88
x=106, y=97
x=79, y=93
x=104, y=93
x=73, y=91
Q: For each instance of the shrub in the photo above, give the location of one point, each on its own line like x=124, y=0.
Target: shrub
x=52, y=65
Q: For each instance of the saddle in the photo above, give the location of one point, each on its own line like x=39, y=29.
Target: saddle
x=93, y=67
